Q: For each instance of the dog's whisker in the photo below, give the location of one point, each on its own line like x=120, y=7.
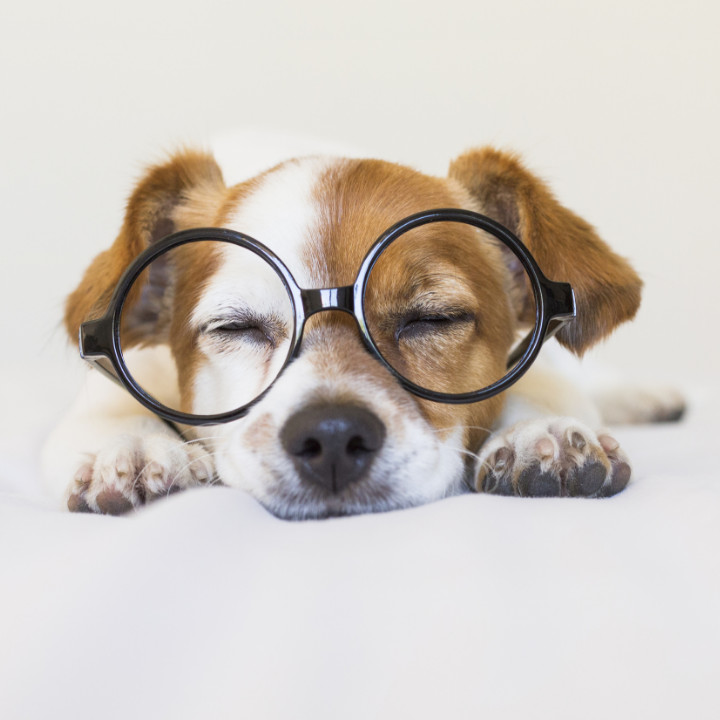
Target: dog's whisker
x=468, y=453
x=201, y=440
x=137, y=480
x=465, y=427
x=211, y=480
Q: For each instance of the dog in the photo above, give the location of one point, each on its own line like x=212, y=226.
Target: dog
x=389, y=448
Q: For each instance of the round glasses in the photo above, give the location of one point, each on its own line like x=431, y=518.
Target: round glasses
x=242, y=323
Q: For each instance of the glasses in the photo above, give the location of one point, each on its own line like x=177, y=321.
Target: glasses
x=243, y=324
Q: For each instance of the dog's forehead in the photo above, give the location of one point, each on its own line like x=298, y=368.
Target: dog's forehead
x=280, y=211
x=320, y=215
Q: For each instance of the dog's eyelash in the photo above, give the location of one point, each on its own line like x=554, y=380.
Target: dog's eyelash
x=266, y=330
x=427, y=323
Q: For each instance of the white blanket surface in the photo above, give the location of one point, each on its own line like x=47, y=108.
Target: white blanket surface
x=205, y=606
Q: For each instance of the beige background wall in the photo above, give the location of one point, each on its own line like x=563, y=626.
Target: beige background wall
x=615, y=103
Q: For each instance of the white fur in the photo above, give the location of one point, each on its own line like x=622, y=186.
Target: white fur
x=281, y=214
x=104, y=416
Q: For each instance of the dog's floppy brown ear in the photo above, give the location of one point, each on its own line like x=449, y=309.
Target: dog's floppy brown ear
x=185, y=191
x=566, y=247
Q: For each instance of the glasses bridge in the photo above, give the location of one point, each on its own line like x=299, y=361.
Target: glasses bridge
x=339, y=298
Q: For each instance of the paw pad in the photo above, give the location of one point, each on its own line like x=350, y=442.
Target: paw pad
x=113, y=502
x=585, y=480
x=533, y=482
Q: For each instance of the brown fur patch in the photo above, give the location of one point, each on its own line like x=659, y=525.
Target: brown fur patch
x=566, y=247
x=190, y=182
x=262, y=432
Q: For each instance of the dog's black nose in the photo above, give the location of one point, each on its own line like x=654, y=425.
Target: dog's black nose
x=333, y=445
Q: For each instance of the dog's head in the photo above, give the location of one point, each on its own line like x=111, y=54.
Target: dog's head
x=336, y=433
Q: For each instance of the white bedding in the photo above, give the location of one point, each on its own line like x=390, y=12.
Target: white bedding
x=204, y=605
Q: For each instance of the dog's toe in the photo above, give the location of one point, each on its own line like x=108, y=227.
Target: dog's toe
x=534, y=482
x=496, y=473
x=585, y=480
x=620, y=470
x=76, y=498
x=113, y=502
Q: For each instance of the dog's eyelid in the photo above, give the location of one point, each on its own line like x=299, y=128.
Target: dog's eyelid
x=457, y=313
x=422, y=322
x=436, y=308
x=227, y=316
x=241, y=319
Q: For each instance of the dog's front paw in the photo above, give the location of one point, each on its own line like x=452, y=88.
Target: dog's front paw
x=555, y=457
x=132, y=470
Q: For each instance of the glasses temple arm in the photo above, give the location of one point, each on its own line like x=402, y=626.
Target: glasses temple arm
x=562, y=297
x=103, y=364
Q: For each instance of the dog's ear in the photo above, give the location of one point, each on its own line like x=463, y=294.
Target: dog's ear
x=184, y=192
x=566, y=247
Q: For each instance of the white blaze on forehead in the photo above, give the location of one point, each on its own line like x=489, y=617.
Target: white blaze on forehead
x=283, y=214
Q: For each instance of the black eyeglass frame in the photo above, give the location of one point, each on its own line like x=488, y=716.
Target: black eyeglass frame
x=554, y=306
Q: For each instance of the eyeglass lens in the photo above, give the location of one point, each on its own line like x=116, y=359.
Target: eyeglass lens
x=444, y=305
x=224, y=314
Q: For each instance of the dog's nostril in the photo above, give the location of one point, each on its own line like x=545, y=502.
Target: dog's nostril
x=356, y=446
x=311, y=448
x=333, y=445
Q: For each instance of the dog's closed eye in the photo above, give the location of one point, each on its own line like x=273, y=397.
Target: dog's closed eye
x=424, y=325
x=242, y=331
x=229, y=331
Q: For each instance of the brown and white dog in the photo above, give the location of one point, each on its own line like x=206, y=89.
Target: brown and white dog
x=320, y=215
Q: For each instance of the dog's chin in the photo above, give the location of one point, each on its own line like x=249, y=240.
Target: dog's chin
x=307, y=503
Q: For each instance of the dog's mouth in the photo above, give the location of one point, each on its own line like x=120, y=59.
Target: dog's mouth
x=309, y=504
x=291, y=498
x=332, y=460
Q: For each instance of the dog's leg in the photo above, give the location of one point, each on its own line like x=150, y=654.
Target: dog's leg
x=636, y=405
x=552, y=457
x=110, y=455
x=547, y=444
